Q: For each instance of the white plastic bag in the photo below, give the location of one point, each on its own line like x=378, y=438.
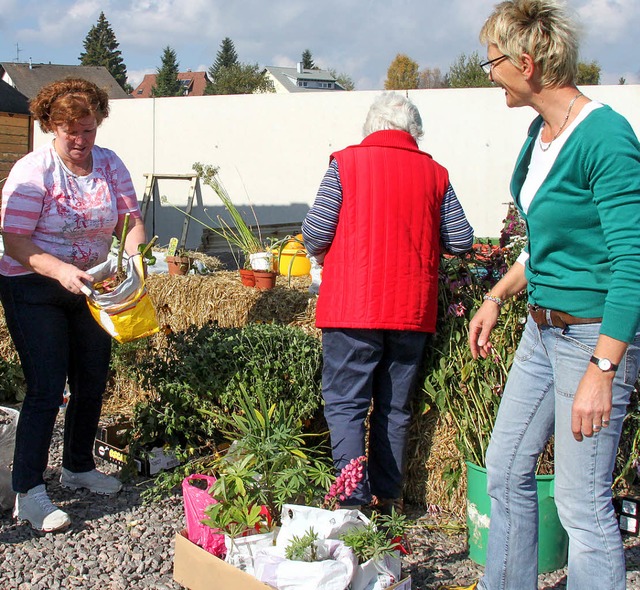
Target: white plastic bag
x=241, y=551
x=8, y=425
x=327, y=524
x=377, y=574
x=334, y=572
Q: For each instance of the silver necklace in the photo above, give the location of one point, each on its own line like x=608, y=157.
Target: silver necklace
x=566, y=118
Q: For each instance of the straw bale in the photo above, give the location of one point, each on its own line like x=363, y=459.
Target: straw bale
x=431, y=451
x=7, y=350
x=220, y=297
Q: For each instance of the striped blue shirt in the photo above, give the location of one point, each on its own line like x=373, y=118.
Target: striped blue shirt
x=319, y=226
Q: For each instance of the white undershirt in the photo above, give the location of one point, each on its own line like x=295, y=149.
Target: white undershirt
x=542, y=161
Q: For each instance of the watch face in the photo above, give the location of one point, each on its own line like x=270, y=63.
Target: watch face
x=604, y=364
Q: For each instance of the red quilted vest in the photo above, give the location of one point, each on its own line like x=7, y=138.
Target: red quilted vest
x=381, y=271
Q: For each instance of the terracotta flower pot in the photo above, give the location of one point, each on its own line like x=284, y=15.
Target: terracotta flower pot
x=247, y=277
x=178, y=265
x=265, y=279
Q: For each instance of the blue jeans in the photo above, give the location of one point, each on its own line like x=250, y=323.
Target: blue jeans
x=537, y=403
x=57, y=340
x=360, y=366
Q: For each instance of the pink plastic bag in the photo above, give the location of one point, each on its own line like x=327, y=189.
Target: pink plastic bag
x=196, y=500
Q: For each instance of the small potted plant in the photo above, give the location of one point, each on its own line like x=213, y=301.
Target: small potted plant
x=178, y=260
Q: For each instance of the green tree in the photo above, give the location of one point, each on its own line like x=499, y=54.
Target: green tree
x=240, y=78
x=588, y=74
x=466, y=72
x=402, y=73
x=225, y=58
x=343, y=79
x=622, y=80
x=307, y=60
x=101, y=49
x=432, y=78
x=167, y=83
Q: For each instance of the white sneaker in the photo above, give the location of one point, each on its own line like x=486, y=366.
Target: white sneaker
x=36, y=508
x=94, y=480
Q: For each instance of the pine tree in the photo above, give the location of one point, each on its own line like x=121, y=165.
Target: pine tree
x=307, y=61
x=167, y=83
x=225, y=58
x=402, y=74
x=101, y=49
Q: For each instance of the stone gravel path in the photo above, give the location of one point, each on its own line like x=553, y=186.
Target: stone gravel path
x=120, y=543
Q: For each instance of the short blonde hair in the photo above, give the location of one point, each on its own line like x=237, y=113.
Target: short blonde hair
x=541, y=29
x=393, y=111
x=66, y=101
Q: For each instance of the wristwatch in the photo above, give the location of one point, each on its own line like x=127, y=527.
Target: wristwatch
x=605, y=365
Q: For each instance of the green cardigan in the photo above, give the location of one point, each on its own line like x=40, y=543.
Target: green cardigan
x=583, y=224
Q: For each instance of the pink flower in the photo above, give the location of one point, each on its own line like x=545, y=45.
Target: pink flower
x=346, y=483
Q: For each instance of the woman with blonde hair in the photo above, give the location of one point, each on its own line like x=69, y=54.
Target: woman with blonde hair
x=60, y=206
x=577, y=185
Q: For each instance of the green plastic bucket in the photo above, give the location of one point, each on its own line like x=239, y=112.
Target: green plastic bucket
x=553, y=542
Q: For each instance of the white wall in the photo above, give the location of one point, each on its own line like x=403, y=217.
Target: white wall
x=273, y=149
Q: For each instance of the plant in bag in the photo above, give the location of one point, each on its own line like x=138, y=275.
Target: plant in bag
x=111, y=282
x=303, y=548
x=235, y=512
x=381, y=536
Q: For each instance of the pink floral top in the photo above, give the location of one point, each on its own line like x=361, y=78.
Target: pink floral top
x=70, y=217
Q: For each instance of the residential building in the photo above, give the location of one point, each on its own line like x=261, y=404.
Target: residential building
x=300, y=80
x=15, y=127
x=193, y=84
x=29, y=78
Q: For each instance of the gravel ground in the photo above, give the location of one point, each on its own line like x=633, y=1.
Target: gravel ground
x=119, y=543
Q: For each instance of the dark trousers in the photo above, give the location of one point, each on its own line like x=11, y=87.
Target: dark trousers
x=57, y=340
x=360, y=366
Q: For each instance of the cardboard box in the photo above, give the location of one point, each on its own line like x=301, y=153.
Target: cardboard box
x=197, y=569
x=110, y=445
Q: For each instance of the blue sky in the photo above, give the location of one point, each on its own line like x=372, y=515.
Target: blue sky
x=357, y=37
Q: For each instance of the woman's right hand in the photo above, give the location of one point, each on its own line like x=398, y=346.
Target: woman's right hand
x=487, y=316
x=72, y=278
x=480, y=328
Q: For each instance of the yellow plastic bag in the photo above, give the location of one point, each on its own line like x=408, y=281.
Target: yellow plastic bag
x=127, y=312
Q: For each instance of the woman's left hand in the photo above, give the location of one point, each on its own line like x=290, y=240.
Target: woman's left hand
x=591, y=409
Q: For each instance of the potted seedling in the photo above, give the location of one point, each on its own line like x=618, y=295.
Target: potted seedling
x=178, y=260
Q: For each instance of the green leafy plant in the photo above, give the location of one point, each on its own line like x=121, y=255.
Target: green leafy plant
x=12, y=384
x=381, y=536
x=270, y=462
x=236, y=512
x=303, y=548
x=147, y=252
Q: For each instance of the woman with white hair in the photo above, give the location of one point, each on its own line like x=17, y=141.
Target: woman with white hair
x=382, y=213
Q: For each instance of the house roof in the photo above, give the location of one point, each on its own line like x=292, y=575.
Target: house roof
x=30, y=78
x=12, y=101
x=193, y=83
x=289, y=78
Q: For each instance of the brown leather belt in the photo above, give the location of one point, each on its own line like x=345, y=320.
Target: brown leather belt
x=559, y=319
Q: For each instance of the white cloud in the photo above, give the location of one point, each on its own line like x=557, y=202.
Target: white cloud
x=609, y=20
